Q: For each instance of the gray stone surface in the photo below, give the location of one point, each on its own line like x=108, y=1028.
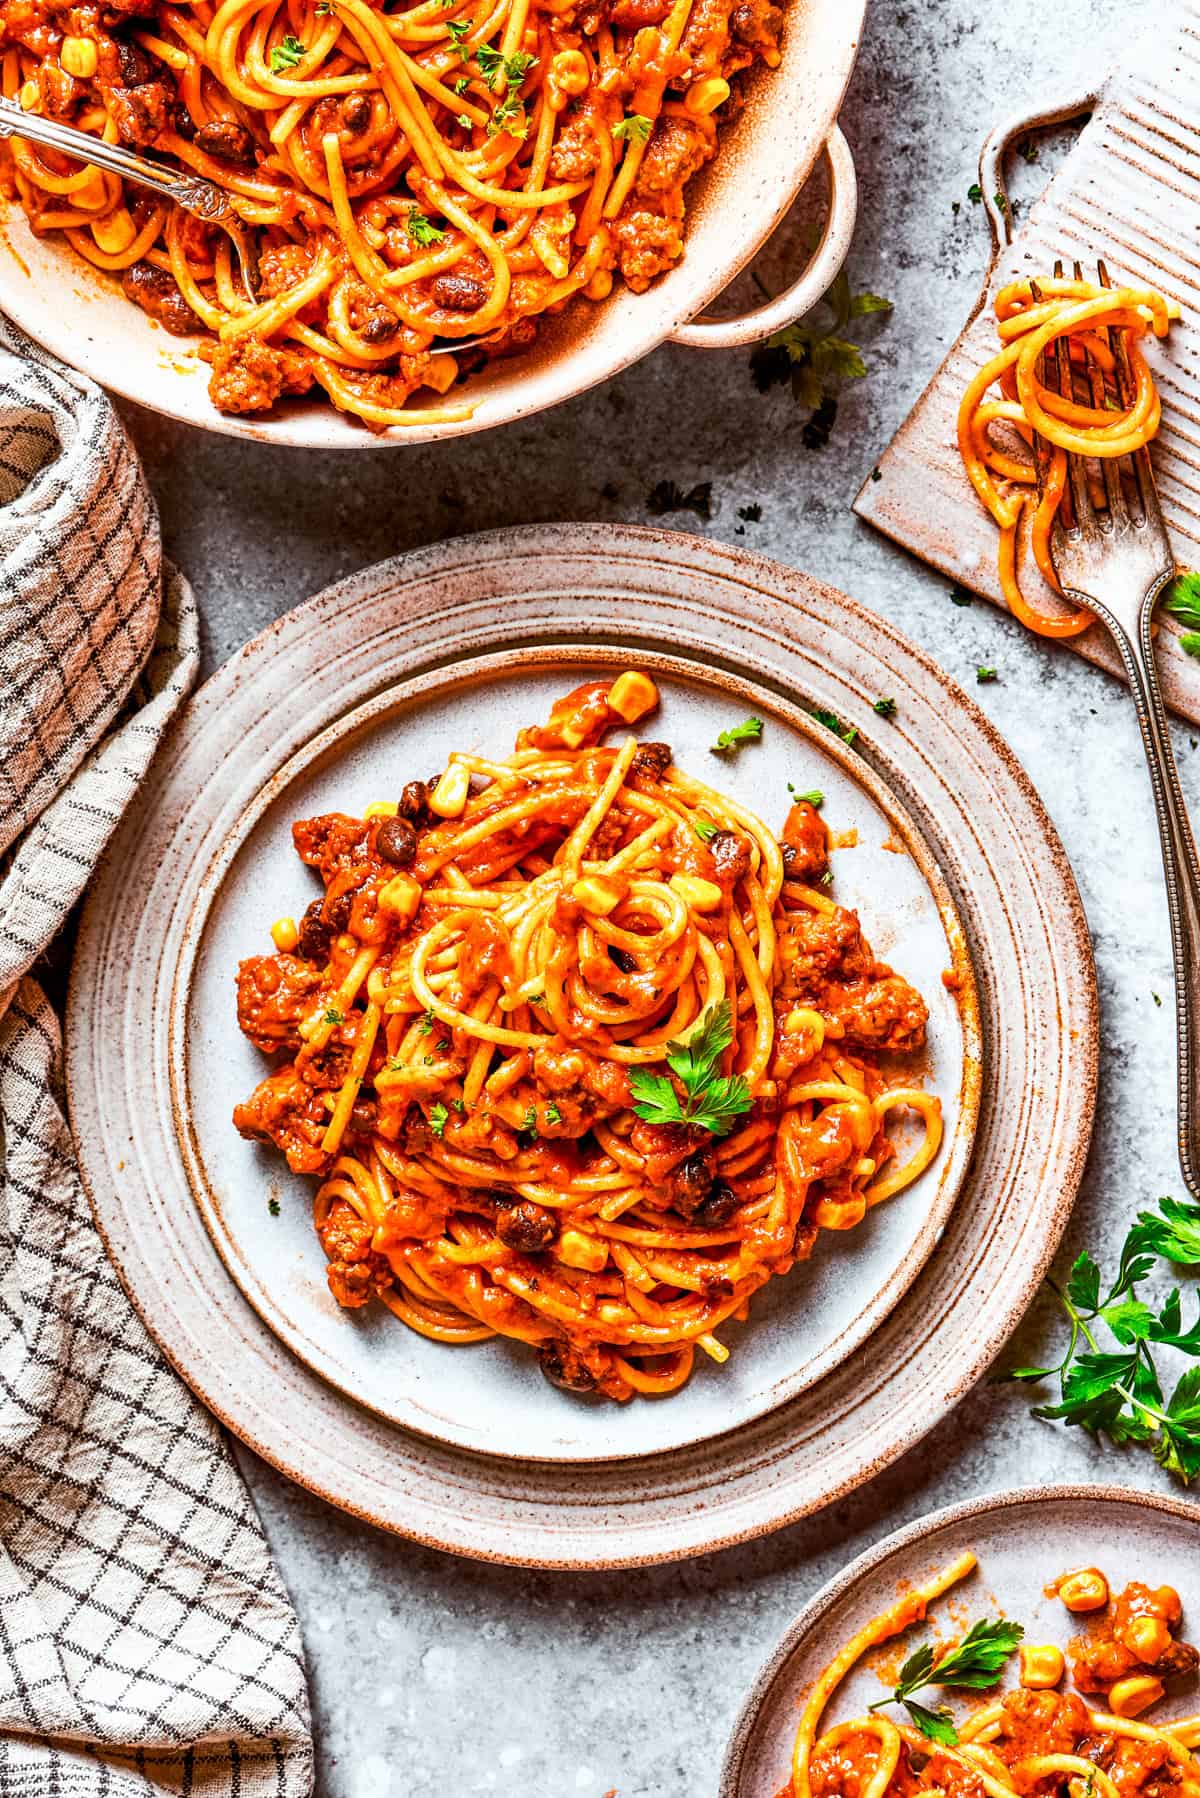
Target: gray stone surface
x=432, y=1676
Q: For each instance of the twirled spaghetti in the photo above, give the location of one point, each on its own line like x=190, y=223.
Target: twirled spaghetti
x=414, y=177
x=477, y=1019
x=1046, y=324
x=1035, y=1739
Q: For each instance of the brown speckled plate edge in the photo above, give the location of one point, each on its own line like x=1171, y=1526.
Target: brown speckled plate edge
x=1027, y=937
x=868, y=1564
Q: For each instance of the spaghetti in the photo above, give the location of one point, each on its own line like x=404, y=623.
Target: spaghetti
x=581, y=1053
x=1105, y=408
x=414, y=177
x=1035, y=1739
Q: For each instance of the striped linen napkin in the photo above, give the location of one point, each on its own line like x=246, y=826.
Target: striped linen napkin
x=146, y=1642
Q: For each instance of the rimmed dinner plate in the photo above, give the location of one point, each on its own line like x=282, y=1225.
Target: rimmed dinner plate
x=1023, y=1539
x=491, y=1397
x=321, y=703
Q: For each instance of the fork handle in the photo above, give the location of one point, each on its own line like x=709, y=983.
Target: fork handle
x=54, y=135
x=1181, y=866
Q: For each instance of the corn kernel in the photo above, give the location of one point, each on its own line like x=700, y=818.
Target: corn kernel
x=1041, y=1667
x=1086, y=1590
x=1170, y=1604
x=706, y=96
x=1130, y=1697
x=402, y=897
x=840, y=1214
x=285, y=935
x=1148, y=1638
x=29, y=97
x=632, y=696
x=380, y=808
x=115, y=232
x=600, y=285
x=78, y=57
x=449, y=797
x=597, y=894
x=569, y=72
x=578, y=1250
x=701, y=895
x=802, y=1020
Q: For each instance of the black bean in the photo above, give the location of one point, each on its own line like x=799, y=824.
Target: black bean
x=413, y=801
x=226, y=140
x=356, y=113
x=623, y=959
x=396, y=842
x=691, y=1180
x=652, y=760
x=713, y=1212
x=314, y=936
x=337, y=911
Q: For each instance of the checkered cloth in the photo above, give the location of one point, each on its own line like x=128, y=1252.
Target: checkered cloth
x=146, y=1642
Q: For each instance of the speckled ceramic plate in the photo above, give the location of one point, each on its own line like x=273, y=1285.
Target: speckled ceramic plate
x=1023, y=1540
x=493, y=1398
x=331, y=700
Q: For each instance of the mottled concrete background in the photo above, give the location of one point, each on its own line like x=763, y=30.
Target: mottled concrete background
x=432, y=1676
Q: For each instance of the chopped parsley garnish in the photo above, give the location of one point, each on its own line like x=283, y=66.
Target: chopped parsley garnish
x=273, y=1207
x=491, y=63
x=748, y=731
x=1156, y=999
x=529, y=1125
x=751, y=514
x=1028, y=150
x=422, y=230
x=813, y=797
x=287, y=54
x=975, y=193
x=667, y=496
x=427, y=1023
x=459, y=29
x=885, y=707
x=536, y=999
x=461, y=84
x=464, y=121
x=960, y=597
x=1118, y=1391
x=877, y=474
x=510, y=116
x=975, y=1664
x=395, y=1064
x=704, y=830
x=984, y=674
x=831, y=721
x=814, y=359
x=439, y=1117
x=711, y=1101
x=635, y=128
x=332, y=1016
x=553, y=1114
x=324, y=6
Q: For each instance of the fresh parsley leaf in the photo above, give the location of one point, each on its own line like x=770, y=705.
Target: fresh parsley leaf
x=885, y=707
x=510, y=116
x=668, y=496
x=813, y=797
x=831, y=721
x=973, y=1664
x=489, y=63
x=975, y=193
x=704, y=830
x=983, y=675
x=1028, y=150
x=1174, y=1233
x=711, y=1100
x=960, y=597
x=331, y=1015
x=439, y=1117
x=553, y=1114
x=516, y=67
x=465, y=120
x=273, y=1207
x=1083, y=1283
x=287, y=54
x=529, y=1125
x=1189, y=642
x=422, y=230
x=460, y=84
x=635, y=128
x=937, y=1725
x=427, y=1023
x=815, y=358
x=1182, y=599
x=751, y=514
x=748, y=731
x=459, y=30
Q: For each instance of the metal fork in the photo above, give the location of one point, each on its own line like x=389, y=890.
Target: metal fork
x=1116, y=560
x=203, y=199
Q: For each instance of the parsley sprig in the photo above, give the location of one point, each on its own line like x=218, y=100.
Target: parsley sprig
x=748, y=731
x=973, y=1664
x=1118, y=1392
x=1182, y=601
x=711, y=1099
x=815, y=359
x=286, y=54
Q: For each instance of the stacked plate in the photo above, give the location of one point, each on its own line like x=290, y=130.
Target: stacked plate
x=957, y=873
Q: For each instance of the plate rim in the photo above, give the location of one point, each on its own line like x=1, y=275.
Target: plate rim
x=424, y=688
x=1008, y=1498
x=774, y=615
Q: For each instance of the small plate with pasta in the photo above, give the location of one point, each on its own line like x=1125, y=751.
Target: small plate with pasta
x=1065, y=1667
x=565, y=1085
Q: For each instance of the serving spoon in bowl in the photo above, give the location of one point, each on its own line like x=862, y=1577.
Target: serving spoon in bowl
x=203, y=199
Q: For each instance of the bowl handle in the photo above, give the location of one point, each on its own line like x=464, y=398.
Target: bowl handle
x=804, y=293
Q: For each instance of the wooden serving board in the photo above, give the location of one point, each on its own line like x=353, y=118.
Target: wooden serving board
x=1129, y=192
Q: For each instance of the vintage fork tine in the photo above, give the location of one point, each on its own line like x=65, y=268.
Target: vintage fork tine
x=1112, y=467
x=1139, y=463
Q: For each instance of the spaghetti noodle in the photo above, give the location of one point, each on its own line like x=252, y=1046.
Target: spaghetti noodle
x=1046, y=325
x=1034, y=1740
x=414, y=177
x=581, y=1053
